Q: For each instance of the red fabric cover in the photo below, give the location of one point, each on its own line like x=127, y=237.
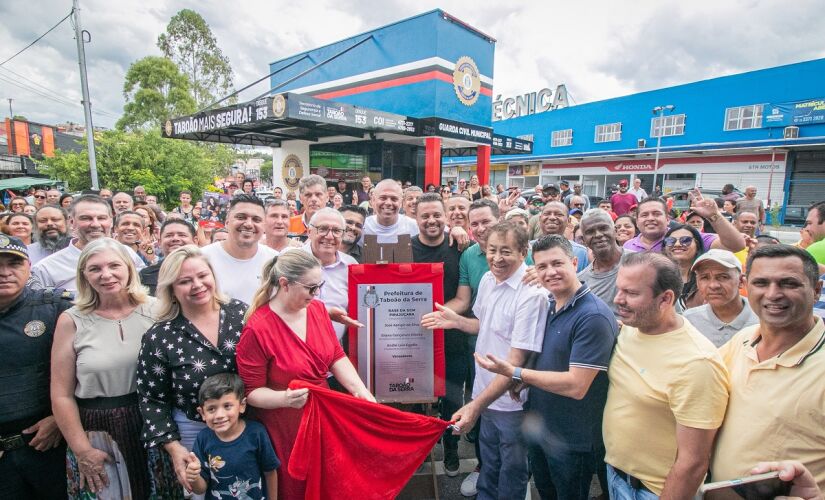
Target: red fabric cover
x=351, y=448
x=271, y=355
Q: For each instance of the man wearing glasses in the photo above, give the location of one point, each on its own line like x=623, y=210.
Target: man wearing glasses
x=238, y=261
x=577, y=193
x=39, y=198
x=326, y=230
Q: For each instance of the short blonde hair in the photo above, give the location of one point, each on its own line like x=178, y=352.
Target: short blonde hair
x=167, y=306
x=87, y=299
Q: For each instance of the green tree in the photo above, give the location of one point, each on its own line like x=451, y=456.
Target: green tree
x=189, y=42
x=155, y=90
x=125, y=159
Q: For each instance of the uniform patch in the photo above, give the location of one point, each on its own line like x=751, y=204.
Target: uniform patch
x=34, y=328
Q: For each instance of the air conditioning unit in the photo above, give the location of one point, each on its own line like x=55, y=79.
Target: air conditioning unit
x=791, y=132
x=641, y=143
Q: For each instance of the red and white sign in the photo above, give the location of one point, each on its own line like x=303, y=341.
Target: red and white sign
x=721, y=164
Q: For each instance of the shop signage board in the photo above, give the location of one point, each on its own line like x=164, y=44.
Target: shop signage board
x=304, y=107
x=398, y=360
x=798, y=113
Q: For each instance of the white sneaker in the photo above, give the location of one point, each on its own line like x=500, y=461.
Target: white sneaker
x=468, y=486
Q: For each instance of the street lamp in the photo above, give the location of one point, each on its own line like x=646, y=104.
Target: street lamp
x=659, y=111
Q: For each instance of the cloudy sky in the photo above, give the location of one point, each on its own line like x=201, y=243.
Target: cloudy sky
x=599, y=49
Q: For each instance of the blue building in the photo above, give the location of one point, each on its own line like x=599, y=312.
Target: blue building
x=764, y=128
x=413, y=101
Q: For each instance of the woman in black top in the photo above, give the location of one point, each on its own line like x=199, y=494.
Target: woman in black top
x=194, y=338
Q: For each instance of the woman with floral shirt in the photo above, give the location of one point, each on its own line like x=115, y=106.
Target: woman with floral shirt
x=194, y=338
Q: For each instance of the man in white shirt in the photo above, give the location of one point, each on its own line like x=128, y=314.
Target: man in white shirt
x=91, y=218
x=388, y=223
x=123, y=202
x=238, y=261
x=510, y=325
x=326, y=229
x=277, y=225
x=52, y=234
x=637, y=189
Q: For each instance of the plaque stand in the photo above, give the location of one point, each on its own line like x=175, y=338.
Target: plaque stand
x=396, y=253
x=387, y=253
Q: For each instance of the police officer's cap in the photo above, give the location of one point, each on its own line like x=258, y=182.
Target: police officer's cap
x=13, y=246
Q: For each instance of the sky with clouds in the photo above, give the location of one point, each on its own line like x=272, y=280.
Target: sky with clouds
x=598, y=48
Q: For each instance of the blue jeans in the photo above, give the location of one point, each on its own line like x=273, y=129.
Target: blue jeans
x=619, y=489
x=503, y=472
x=563, y=474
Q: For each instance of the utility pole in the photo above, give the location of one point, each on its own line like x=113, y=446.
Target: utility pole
x=11, y=113
x=84, y=87
x=659, y=111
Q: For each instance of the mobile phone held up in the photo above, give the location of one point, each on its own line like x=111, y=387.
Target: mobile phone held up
x=758, y=487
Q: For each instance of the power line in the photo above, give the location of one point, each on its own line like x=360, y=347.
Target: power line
x=38, y=38
x=55, y=98
x=48, y=90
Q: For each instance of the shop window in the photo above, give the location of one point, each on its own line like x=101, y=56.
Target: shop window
x=743, y=117
x=561, y=138
x=667, y=125
x=610, y=132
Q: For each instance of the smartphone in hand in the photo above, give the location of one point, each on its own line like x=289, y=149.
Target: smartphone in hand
x=757, y=487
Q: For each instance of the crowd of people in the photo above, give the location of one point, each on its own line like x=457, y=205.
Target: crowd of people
x=651, y=349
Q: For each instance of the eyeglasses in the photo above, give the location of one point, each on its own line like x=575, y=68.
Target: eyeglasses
x=684, y=241
x=312, y=289
x=41, y=197
x=325, y=230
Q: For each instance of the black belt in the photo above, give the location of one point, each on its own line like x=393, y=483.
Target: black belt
x=14, y=441
x=103, y=403
x=634, y=482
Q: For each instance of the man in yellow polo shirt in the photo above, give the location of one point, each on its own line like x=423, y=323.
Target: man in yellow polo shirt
x=777, y=370
x=668, y=388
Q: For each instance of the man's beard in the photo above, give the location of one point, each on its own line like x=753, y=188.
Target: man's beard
x=53, y=243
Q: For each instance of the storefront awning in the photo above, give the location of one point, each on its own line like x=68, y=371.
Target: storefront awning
x=271, y=120
x=25, y=182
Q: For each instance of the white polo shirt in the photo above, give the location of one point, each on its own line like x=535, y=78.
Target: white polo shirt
x=238, y=278
x=335, y=292
x=59, y=270
x=389, y=234
x=510, y=314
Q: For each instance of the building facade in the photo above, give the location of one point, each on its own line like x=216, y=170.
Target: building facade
x=764, y=128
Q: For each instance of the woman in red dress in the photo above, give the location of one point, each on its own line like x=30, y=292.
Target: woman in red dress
x=288, y=336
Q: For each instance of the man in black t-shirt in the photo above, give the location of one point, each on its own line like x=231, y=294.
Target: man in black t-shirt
x=432, y=245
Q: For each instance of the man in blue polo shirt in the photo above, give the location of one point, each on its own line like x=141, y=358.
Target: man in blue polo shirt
x=568, y=378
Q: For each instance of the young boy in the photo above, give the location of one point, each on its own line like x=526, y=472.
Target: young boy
x=231, y=455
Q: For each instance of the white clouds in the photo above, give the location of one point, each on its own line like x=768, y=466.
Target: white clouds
x=600, y=49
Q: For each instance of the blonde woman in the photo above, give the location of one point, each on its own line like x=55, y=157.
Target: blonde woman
x=203, y=327
x=94, y=370
x=287, y=337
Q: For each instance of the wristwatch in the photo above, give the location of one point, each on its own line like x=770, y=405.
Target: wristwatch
x=713, y=218
x=517, y=375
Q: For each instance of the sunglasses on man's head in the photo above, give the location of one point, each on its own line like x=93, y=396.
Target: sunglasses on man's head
x=683, y=241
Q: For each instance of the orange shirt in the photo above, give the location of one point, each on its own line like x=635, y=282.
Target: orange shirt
x=297, y=227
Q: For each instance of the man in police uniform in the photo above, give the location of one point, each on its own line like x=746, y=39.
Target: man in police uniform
x=32, y=452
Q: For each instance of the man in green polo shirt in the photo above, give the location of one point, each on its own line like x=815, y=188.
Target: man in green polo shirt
x=815, y=224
